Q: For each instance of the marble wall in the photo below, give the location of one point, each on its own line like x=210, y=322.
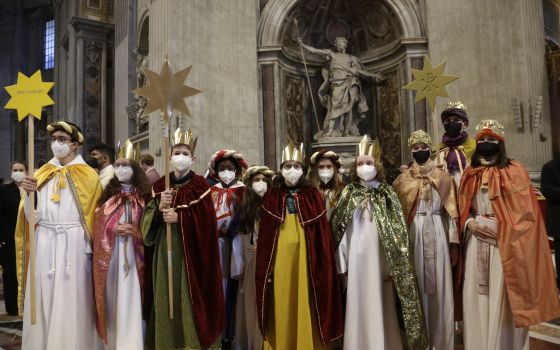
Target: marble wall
x=498, y=49
x=218, y=38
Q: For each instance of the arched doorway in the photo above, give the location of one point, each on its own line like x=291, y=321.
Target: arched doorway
x=386, y=35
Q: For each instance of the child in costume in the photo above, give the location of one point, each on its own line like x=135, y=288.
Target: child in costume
x=324, y=175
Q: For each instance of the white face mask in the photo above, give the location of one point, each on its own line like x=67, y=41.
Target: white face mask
x=260, y=187
x=60, y=150
x=326, y=175
x=227, y=176
x=124, y=173
x=18, y=176
x=366, y=172
x=292, y=176
x=181, y=162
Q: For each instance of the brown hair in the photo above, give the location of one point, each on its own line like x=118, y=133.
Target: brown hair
x=353, y=173
x=336, y=181
x=139, y=180
x=503, y=160
x=18, y=162
x=147, y=159
x=182, y=144
x=250, y=207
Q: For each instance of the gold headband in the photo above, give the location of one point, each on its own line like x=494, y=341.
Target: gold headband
x=419, y=136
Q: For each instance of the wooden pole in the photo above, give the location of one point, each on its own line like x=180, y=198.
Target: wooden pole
x=167, y=225
x=31, y=220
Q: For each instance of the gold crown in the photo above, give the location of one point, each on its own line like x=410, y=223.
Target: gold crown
x=490, y=127
x=293, y=152
x=365, y=149
x=456, y=105
x=129, y=151
x=185, y=138
x=419, y=136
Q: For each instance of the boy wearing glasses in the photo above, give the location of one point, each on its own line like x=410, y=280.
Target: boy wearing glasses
x=67, y=192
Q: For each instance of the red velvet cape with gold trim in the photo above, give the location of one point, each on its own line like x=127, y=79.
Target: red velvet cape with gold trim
x=198, y=229
x=311, y=213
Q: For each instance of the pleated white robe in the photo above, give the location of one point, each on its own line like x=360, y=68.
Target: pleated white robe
x=123, y=299
x=371, y=315
x=488, y=321
x=64, y=283
x=437, y=303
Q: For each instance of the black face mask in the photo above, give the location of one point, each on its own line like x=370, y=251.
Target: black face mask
x=93, y=162
x=421, y=157
x=487, y=149
x=453, y=129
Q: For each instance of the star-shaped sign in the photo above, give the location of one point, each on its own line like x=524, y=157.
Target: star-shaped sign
x=166, y=91
x=29, y=95
x=430, y=82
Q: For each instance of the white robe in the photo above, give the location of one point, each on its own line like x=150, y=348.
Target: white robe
x=64, y=285
x=123, y=299
x=438, y=305
x=371, y=315
x=488, y=321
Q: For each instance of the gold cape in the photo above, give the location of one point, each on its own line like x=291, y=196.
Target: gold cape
x=411, y=183
x=84, y=184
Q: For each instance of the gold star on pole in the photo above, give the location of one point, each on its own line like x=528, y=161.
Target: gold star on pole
x=166, y=91
x=430, y=82
x=29, y=95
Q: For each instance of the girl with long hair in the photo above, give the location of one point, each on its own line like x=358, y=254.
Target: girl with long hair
x=257, y=180
x=324, y=175
x=118, y=254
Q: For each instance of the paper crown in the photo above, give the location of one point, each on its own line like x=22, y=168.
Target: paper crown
x=129, y=151
x=490, y=127
x=419, y=136
x=185, y=138
x=293, y=152
x=364, y=148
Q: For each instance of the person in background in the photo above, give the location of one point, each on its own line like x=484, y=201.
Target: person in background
x=11, y=195
x=147, y=164
x=102, y=159
x=509, y=281
x=550, y=188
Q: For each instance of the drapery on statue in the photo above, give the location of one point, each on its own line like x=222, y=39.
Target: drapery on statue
x=341, y=90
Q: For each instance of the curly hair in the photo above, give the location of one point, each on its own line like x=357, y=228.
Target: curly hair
x=250, y=207
x=336, y=182
x=139, y=180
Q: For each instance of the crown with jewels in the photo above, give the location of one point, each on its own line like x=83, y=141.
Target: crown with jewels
x=456, y=105
x=419, y=136
x=490, y=127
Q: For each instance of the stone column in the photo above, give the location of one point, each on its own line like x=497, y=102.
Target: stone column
x=497, y=48
x=218, y=38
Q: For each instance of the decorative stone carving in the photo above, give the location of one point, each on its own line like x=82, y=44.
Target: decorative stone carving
x=296, y=102
x=389, y=130
x=92, y=92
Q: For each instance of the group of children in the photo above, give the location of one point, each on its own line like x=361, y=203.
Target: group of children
x=287, y=260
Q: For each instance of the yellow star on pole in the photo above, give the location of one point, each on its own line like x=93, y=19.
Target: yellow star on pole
x=29, y=95
x=166, y=91
x=430, y=82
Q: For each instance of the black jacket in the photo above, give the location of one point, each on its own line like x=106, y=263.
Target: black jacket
x=9, y=205
x=550, y=188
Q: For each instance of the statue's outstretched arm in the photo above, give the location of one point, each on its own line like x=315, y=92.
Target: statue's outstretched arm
x=374, y=76
x=313, y=50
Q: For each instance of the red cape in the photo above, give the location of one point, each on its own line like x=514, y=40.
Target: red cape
x=311, y=212
x=202, y=260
